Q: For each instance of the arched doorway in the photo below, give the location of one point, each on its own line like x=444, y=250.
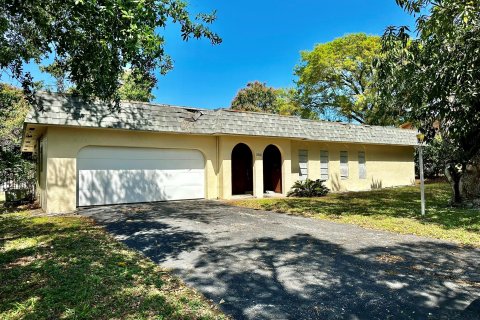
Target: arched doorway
x=242, y=170
x=272, y=169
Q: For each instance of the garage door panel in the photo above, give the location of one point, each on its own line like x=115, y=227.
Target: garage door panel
x=173, y=193
x=132, y=164
x=124, y=178
x=138, y=153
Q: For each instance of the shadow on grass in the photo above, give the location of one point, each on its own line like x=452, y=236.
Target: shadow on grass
x=66, y=267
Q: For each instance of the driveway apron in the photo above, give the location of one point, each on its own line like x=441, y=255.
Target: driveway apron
x=265, y=265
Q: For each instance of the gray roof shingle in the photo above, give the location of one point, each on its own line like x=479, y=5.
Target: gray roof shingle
x=67, y=110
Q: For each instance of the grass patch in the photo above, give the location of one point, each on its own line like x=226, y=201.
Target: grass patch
x=396, y=210
x=69, y=268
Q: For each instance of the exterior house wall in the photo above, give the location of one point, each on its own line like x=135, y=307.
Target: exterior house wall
x=65, y=143
x=257, y=145
x=388, y=165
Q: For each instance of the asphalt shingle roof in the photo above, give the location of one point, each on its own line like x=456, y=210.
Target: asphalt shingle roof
x=67, y=110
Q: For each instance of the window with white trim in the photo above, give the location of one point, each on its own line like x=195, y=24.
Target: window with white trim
x=303, y=164
x=324, y=165
x=344, y=165
x=362, y=165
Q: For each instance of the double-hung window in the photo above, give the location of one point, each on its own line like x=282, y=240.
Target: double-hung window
x=303, y=164
x=344, y=165
x=362, y=165
x=324, y=165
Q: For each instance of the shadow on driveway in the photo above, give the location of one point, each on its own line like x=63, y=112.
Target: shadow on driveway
x=271, y=266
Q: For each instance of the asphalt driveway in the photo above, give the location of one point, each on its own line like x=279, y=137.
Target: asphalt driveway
x=264, y=265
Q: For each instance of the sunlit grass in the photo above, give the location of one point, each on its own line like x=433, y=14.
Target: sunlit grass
x=396, y=209
x=67, y=267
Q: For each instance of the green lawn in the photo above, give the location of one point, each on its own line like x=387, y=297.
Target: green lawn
x=67, y=267
x=396, y=210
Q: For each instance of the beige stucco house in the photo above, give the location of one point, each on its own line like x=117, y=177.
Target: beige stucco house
x=91, y=155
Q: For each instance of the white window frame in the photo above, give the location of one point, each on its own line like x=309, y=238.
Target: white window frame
x=362, y=165
x=302, y=165
x=344, y=170
x=324, y=165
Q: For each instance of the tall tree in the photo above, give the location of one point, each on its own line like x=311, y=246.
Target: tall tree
x=13, y=164
x=256, y=96
x=337, y=76
x=135, y=88
x=91, y=42
x=288, y=103
x=132, y=85
x=435, y=77
x=259, y=97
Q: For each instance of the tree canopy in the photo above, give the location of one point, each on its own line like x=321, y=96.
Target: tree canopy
x=91, y=42
x=135, y=88
x=256, y=96
x=435, y=77
x=259, y=97
x=13, y=110
x=289, y=104
x=338, y=76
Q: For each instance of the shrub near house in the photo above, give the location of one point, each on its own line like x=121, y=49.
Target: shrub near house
x=308, y=188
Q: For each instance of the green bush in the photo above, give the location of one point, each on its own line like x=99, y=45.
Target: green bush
x=308, y=188
x=434, y=156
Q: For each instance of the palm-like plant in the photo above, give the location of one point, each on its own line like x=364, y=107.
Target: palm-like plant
x=308, y=188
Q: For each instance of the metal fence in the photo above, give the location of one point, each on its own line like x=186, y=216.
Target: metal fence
x=12, y=180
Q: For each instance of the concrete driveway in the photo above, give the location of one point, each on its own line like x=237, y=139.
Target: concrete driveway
x=264, y=265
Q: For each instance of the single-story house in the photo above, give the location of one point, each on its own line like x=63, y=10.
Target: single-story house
x=89, y=154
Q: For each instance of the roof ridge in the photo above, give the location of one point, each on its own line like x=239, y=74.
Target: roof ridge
x=157, y=104
x=232, y=111
x=258, y=112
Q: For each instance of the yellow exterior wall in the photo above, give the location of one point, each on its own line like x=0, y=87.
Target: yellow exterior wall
x=390, y=165
x=257, y=145
x=65, y=143
x=387, y=166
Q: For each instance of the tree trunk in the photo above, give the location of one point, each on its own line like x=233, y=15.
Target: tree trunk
x=454, y=177
x=470, y=183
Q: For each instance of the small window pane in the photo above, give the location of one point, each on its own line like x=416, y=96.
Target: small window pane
x=303, y=164
x=362, y=167
x=324, y=165
x=343, y=165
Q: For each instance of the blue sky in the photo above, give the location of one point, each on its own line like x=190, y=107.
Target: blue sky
x=261, y=41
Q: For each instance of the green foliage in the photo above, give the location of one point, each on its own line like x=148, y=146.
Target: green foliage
x=13, y=110
x=136, y=88
x=435, y=77
x=308, y=188
x=288, y=104
x=433, y=159
x=338, y=75
x=91, y=42
x=255, y=97
x=258, y=97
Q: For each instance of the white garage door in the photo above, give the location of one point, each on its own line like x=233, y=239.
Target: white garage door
x=109, y=175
